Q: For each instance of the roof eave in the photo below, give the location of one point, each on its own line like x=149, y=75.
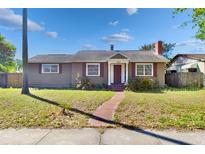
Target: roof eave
x=88, y=61
x=134, y=61
x=48, y=62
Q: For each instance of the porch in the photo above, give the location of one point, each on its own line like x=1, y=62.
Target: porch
x=117, y=73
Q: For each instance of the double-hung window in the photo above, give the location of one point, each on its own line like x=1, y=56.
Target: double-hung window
x=144, y=69
x=50, y=68
x=92, y=69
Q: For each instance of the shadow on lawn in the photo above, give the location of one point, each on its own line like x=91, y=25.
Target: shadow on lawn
x=126, y=126
x=154, y=91
x=163, y=90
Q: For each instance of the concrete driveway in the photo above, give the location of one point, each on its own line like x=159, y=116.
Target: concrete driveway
x=91, y=136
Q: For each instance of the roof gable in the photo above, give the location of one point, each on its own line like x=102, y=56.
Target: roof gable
x=118, y=56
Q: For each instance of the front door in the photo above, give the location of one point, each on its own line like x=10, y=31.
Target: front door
x=117, y=73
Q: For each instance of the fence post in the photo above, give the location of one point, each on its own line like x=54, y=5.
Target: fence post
x=3, y=80
x=6, y=80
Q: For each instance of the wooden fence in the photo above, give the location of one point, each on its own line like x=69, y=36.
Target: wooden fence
x=3, y=79
x=184, y=79
x=11, y=80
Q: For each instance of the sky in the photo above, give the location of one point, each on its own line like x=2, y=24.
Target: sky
x=66, y=31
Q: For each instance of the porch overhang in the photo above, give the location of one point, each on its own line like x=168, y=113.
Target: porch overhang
x=124, y=62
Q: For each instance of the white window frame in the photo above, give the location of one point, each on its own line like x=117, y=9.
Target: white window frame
x=143, y=69
x=42, y=70
x=98, y=64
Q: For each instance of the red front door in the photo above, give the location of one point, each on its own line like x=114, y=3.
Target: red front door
x=117, y=73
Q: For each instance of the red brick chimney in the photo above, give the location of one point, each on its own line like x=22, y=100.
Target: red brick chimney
x=158, y=47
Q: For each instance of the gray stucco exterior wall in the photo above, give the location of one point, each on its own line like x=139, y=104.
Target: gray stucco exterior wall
x=46, y=80
x=100, y=79
x=160, y=77
x=71, y=72
x=77, y=72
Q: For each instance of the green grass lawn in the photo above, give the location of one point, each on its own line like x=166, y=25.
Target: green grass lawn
x=18, y=110
x=178, y=109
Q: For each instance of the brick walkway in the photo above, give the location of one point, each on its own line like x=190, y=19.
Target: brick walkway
x=107, y=110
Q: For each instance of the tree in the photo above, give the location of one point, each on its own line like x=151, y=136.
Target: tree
x=19, y=65
x=197, y=16
x=7, y=54
x=166, y=48
x=147, y=47
x=25, y=89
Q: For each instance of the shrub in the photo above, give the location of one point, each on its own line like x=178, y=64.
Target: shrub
x=101, y=86
x=142, y=84
x=84, y=84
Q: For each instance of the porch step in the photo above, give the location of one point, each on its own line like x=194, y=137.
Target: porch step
x=117, y=87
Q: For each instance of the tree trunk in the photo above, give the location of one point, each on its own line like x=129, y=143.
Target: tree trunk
x=25, y=89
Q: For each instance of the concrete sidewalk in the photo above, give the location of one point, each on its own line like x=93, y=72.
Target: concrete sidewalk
x=91, y=136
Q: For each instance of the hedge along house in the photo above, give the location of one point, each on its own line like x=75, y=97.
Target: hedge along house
x=112, y=67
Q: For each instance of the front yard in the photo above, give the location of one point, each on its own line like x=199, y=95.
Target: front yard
x=17, y=110
x=178, y=109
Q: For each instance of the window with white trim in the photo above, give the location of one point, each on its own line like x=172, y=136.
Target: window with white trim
x=92, y=69
x=144, y=69
x=50, y=68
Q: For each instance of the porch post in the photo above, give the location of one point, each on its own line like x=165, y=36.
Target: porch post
x=108, y=73
x=126, y=78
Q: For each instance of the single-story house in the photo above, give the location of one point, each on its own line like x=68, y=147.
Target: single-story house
x=188, y=63
x=108, y=67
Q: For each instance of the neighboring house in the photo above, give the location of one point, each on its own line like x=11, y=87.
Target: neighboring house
x=188, y=63
x=101, y=67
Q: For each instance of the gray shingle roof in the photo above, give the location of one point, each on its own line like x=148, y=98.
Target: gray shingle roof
x=51, y=58
x=92, y=56
x=99, y=56
x=133, y=56
x=144, y=56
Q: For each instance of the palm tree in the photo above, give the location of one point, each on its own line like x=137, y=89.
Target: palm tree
x=25, y=89
x=147, y=47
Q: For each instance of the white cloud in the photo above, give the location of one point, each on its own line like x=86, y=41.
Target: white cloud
x=193, y=42
x=88, y=46
x=52, y=34
x=113, y=23
x=117, y=37
x=132, y=11
x=193, y=46
x=193, y=50
x=10, y=20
